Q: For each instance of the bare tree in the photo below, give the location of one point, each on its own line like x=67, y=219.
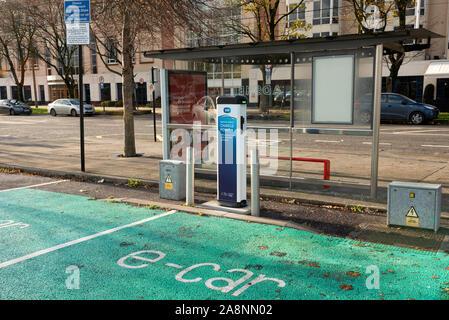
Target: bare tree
x=50, y=40
x=122, y=26
x=16, y=40
x=385, y=11
x=263, y=21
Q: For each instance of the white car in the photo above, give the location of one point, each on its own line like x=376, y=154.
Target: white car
x=69, y=107
x=205, y=111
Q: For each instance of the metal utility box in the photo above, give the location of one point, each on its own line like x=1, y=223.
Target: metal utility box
x=416, y=205
x=172, y=180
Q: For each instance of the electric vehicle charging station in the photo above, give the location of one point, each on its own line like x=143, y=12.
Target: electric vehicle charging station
x=231, y=181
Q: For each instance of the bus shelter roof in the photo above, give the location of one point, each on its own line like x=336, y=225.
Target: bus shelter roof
x=278, y=52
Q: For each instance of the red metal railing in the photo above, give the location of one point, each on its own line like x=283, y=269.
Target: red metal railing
x=327, y=164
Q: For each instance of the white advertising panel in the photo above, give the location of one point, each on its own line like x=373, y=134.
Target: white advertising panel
x=333, y=89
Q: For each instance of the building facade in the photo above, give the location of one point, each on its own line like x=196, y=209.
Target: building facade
x=321, y=18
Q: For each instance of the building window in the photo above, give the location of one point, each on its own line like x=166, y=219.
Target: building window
x=27, y=93
x=119, y=92
x=325, y=12
x=3, y=93
x=105, y=92
x=141, y=94
x=299, y=15
x=222, y=33
x=324, y=34
x=21, y=58
x=112, y=52
x=296, y=19
x=41, y=93
x=14, y=93
x=93, y=56
x=74, y=61
x=231, y=71
x=410, y=11
x=48, y=60
x=334, y=10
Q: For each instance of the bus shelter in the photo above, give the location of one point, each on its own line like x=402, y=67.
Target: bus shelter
x=335, y=89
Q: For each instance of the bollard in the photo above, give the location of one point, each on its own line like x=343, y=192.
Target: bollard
x=190, y=178
x=255, y=183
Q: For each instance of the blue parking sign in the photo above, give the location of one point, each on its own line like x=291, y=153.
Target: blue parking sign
x=77, y=11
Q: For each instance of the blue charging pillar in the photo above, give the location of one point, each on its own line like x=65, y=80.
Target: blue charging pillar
x=231, y=113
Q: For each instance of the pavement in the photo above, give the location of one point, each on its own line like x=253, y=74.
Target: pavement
x=50, y=145
x=82, y=247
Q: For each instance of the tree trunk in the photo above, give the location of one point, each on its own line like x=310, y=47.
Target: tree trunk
x=396, y=61
x=128, y=88
x=20, y=92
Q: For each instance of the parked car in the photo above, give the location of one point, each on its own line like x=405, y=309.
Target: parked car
x=12, y=107
x=204, y=111
x=26, y=108
x=397, y=107
x=69, y=107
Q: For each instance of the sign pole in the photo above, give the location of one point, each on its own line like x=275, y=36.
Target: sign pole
x=77, y=21
x=81, y=97
x=154, y=104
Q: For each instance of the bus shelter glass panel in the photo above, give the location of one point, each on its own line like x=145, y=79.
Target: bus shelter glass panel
x=333, y=108
x=334, y=90
x=268, y=88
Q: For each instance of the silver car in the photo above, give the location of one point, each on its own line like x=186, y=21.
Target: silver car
x=69, y=107
x=13, y=107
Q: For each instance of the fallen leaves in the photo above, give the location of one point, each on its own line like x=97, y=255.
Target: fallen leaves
x=353, y=274
x=278, y=254
x=309, y=264
x=346, y=287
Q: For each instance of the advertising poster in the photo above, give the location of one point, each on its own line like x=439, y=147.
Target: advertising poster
x=189, y=105
x=187, y=92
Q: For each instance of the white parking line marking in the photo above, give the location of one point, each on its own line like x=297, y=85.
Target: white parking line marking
x=172, y=265
x=27, y=122
x=71, y=243
x=418, y=131
x=328, y=141
x=382, y=143
x=36, y=185
x=433, y=146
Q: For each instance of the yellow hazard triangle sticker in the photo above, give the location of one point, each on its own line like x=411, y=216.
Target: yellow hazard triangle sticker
x=412, y=218
x=412, y=213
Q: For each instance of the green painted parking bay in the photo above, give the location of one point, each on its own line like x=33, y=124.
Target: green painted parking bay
x=68, y=247
x=32, y=220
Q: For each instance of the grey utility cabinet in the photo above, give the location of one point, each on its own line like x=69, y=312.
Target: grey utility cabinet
x=172, y=180
x=416, y=205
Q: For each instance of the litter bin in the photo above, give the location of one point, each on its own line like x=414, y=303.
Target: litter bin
x=172, y=180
